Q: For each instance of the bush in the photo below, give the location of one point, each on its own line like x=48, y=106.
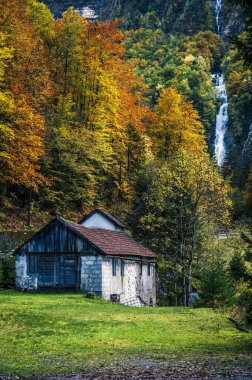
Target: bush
x=1, y=273
x=165, y=300
x=242, y=311
x=92, y=296
x=7, y=271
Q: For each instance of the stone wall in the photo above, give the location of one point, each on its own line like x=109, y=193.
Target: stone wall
x=132, y=284
x=23, y=281
x=96, y=275
x=91, y=274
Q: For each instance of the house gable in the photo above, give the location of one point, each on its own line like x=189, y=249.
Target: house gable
x=101, y=219
x=57, y=237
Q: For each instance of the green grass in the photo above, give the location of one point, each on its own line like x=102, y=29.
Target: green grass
x=57, y=334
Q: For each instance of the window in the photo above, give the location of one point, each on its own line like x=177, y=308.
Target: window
x=141, y=268
x=114, y=267
x=148, y=269
x=122, y=267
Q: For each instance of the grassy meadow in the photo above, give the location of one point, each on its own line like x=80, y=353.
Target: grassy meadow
x=60, y=334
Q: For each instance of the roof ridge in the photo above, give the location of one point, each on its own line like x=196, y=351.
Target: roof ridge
x=94, y=228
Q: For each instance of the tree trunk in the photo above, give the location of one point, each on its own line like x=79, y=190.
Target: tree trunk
x=29, y=208
x=183, y=267
x=175, y=292
x=65, y=74
x=128, y=160
x=189, y=267
x=189, y=281
x=119, y=195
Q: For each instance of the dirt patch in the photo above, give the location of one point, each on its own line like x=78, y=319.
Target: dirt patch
x=145, y=369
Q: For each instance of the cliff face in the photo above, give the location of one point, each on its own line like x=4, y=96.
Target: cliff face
x=180, y=16
x=59, y=6
x=231, y=20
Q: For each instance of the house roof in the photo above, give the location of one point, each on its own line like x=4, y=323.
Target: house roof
x=108, y=242
x=107, y=215
x=111, y=242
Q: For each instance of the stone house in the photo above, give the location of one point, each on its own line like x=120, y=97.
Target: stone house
x=94, y=255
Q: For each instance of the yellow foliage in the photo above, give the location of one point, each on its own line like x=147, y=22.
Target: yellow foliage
x=178, y=126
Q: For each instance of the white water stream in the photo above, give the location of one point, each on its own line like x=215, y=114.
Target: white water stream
x=217, y=10
x=221, y=119
x=88, y=13
x=222, y=116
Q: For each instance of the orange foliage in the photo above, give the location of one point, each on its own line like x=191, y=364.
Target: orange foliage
x=95, y=103
x=27, y=80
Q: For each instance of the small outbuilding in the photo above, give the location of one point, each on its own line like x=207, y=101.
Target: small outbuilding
x=94, y=255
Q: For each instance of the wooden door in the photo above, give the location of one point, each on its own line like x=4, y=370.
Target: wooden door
x=54, y=270
x=46, y=268
x=68, y=271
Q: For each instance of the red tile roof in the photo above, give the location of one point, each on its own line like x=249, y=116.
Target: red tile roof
x=112, y=242
x=106, y=214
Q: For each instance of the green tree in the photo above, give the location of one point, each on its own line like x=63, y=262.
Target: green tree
x=215, y=285
x=237, y=267
x=248, y=195
x=176, y=205
x=181, y=63
x=244, y=40
x=239, y=90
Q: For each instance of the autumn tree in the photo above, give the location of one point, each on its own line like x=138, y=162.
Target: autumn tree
x=24, y=79
x=178, y=126
x=96, y=123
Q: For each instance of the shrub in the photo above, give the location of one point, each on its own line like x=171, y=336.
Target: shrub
x=1, y=273
x=7, y=271
x=243, y=309
x=91, y=295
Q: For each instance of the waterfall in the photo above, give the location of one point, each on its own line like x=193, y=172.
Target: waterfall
x=217, y=11
x=88, y=13
x=89, y=9
x=221, y=119
x=222, y=116
x=102, y=9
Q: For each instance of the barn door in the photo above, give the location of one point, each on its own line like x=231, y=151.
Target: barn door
x=68, y=271
x=46, y=268
x=54, y=270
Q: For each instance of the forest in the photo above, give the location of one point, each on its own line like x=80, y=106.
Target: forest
x=120, y=113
